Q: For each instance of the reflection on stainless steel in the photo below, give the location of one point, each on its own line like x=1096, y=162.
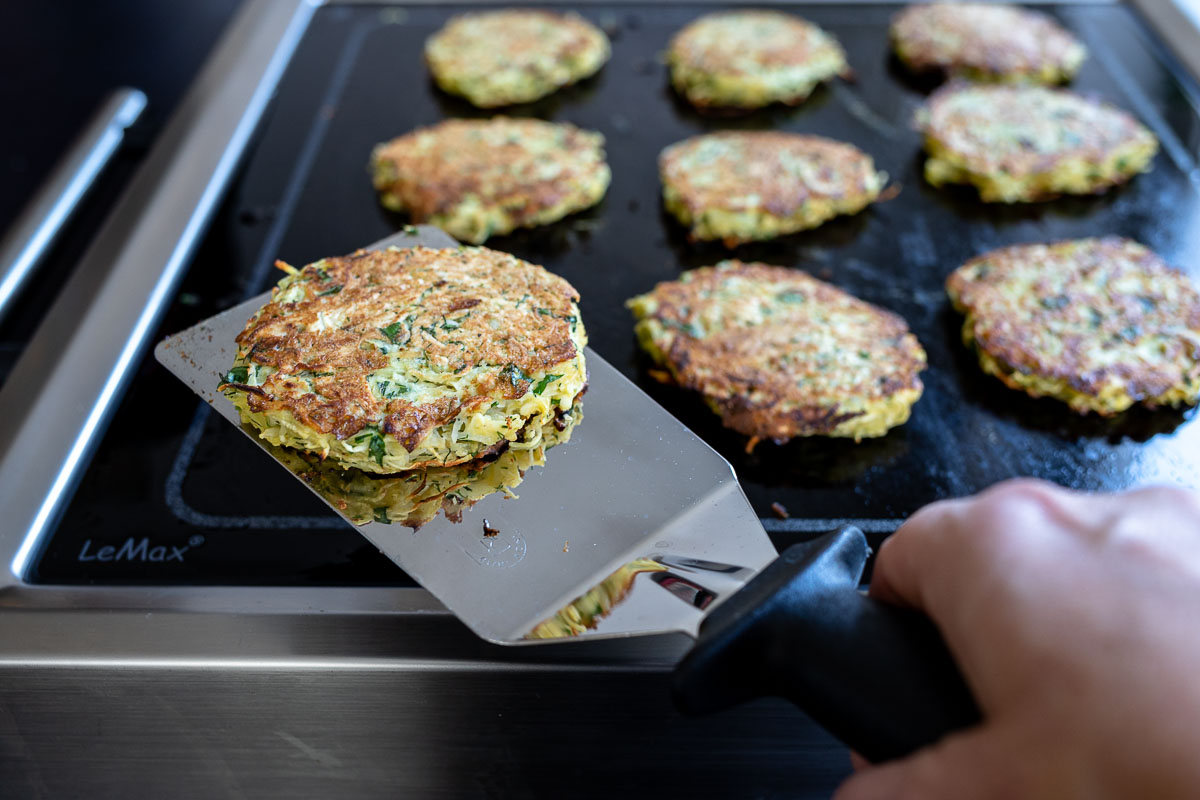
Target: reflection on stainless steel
x=585, y=612
x=595, y=497
x=36, y=229
x=708, y=566
x=413, y=498
x=688, y=591
x=77, y=364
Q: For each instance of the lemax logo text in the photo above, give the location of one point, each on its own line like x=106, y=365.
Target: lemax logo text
x=137, y=550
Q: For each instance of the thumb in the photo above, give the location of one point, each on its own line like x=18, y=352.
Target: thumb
x=962, y=765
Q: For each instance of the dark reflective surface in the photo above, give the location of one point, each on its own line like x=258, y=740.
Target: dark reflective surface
x=305, y=193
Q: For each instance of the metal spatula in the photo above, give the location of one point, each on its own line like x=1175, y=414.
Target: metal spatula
x=634, y=483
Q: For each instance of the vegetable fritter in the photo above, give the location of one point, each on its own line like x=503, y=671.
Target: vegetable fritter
x=409, y=358
x=744, y=186
x=1100, y=324
x=990, y=42
x=1029, y=143
x=479, y=178
x=415, y=497
x=777, y=353
x=749, y=59
x=496, y=58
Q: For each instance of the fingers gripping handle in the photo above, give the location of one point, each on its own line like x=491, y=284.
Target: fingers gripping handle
x=877, y=676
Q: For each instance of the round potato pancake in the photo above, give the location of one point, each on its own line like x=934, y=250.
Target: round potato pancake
x=753, y=185
x=478, y=178
x=1100, y=324
x=750, y=59
x=986, y=42
x=410, y=358
x=777, y=353
x=496, y=58
x=1029, y=143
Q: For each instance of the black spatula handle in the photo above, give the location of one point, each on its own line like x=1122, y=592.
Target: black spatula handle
x=876, y=676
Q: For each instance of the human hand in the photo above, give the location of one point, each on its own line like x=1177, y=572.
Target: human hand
x=1075, y=620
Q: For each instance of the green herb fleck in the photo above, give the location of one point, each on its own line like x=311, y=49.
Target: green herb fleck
x=377, y=447
x=381, y=515
x=390, y=332
x=1055, y=303
x=236, y=375
x=791, y=297
x=544, y=382
x=411, y=230
x=330, y=290
x=514, y=375
x=391, y=390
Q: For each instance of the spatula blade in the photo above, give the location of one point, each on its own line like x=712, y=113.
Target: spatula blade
x=632, y=483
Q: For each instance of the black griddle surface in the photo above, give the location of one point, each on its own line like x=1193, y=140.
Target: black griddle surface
x=172, y=474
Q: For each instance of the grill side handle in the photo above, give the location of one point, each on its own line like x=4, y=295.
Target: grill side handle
x=877, y=676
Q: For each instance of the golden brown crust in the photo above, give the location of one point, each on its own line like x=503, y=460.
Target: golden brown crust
x=989, y=41
x=779, y=353
x=747, y=59
x=1026, y=143
x=496, y=58
x=476, y=178
x=1098, y=323
x=457, y=309
x=744, y=185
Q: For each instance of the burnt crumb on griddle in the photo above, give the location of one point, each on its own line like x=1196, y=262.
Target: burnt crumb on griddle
x=780, y=510
x=488, y=530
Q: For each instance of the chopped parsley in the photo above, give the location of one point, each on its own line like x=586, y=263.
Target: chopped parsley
x=544, y=382
x=236, y=375
x=377, y=447
x=392, y=390
x=514, y=375
x=791, y=297
x=381, y=515
x=390, y=332
x=330, y=290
